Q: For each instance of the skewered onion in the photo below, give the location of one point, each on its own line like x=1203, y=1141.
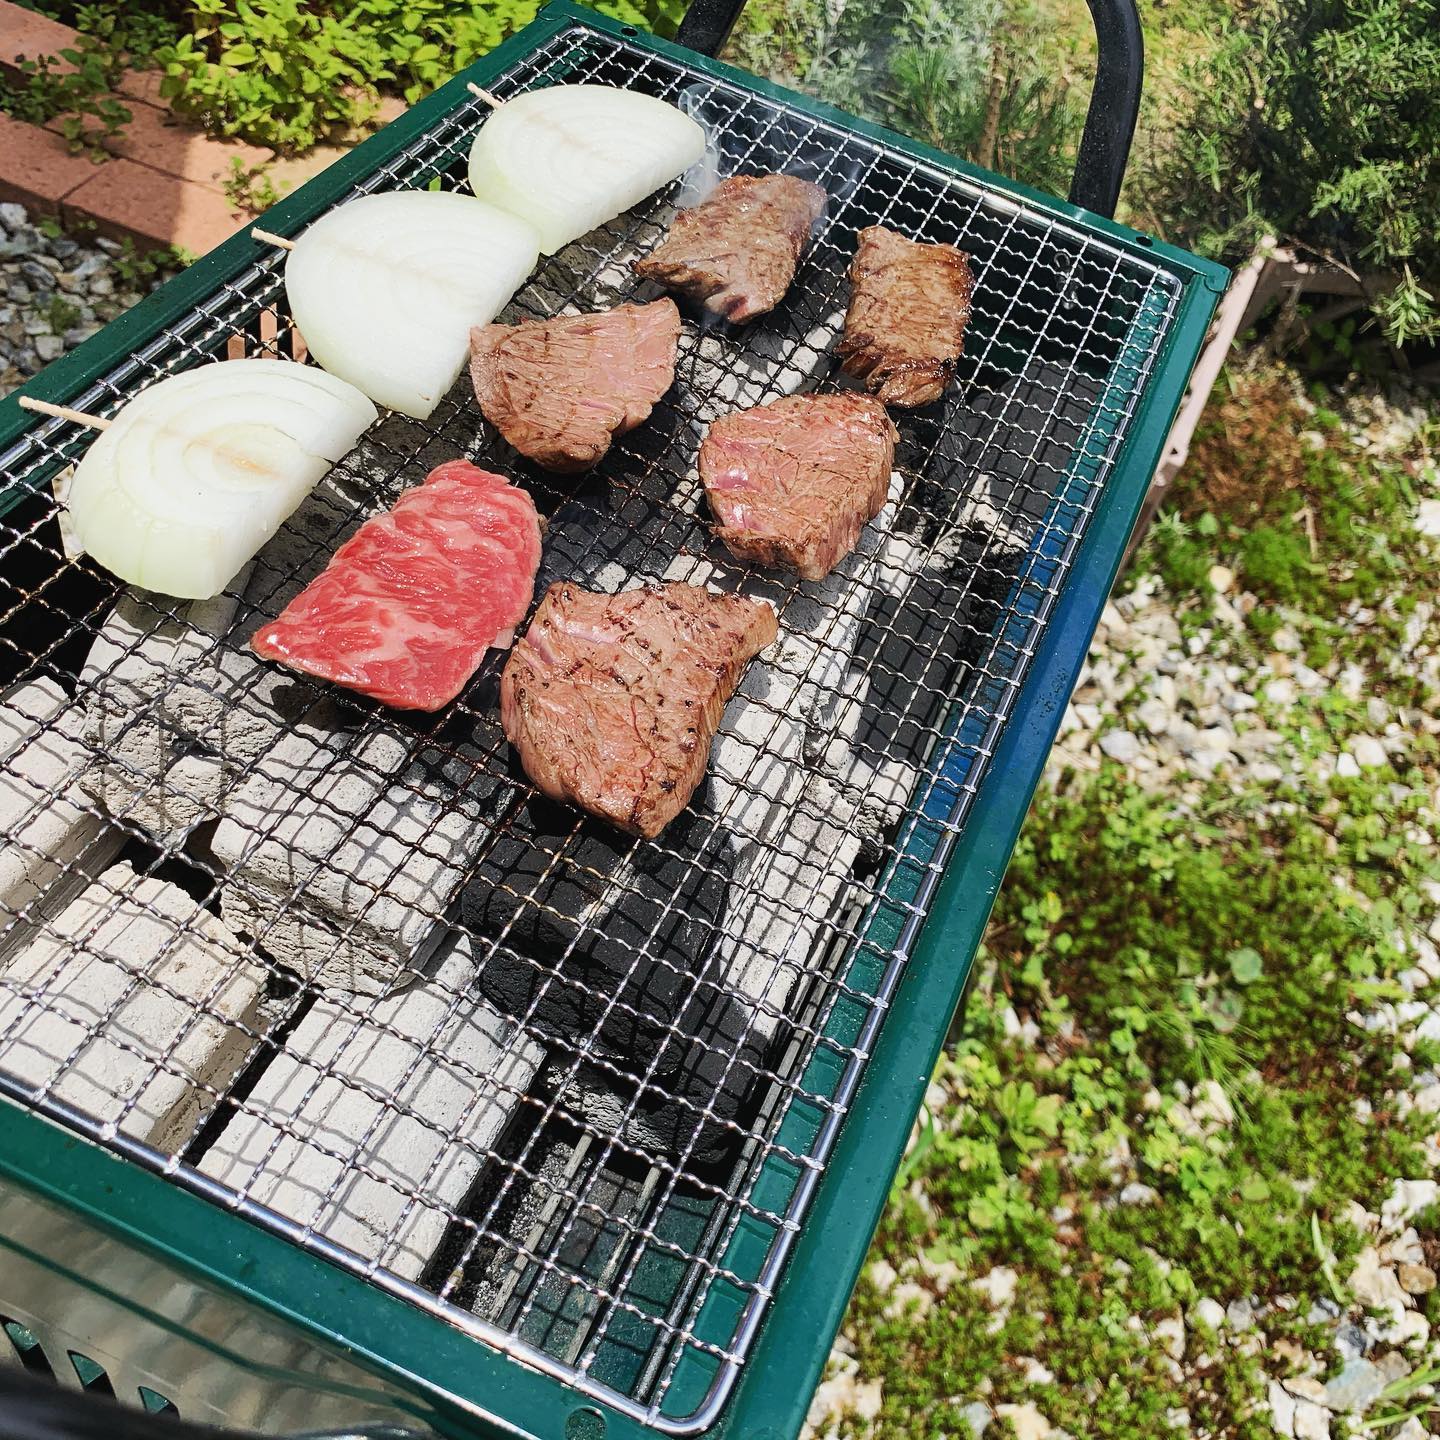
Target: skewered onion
x=386, y=288
x=199, y=471
x=570, y=157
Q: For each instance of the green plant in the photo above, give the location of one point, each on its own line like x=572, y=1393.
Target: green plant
x=1319, y=122
x=287, y=73
x=75, y=90
x=250, y=187
x=61, y=314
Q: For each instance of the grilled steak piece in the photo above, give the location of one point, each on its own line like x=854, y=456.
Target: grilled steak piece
x=560, y=390
x=737, y=250
x=613, y=700
x=908, y=307
x=794, y=482
x=408, y=605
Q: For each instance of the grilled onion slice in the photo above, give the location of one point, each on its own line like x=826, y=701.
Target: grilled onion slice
x=196, y=473
x=570, y=157
x=386, y=288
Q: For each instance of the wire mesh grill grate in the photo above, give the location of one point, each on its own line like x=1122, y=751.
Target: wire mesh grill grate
x=589, y=1127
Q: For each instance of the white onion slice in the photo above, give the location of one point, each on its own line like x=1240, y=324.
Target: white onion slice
x=196, y=473
x=386, y=288
x=570, y=157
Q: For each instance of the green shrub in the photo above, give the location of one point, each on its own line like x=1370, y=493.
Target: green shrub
x=983, y=79
x=1319, y=122
x=288, y=72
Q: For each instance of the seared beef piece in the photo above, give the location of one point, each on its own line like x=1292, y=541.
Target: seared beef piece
x=737, y=251
x=908, y=307
x=794, y=482
x=613, y=700
x=560, y=390
x=617, y=929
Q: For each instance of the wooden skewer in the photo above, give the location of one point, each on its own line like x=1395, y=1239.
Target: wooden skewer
x=64, y=412
x=269, y=239
x=493, y=101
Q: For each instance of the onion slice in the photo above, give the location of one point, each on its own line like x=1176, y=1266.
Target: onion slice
x=386, y=288
x=570, y=157
x=196, y=473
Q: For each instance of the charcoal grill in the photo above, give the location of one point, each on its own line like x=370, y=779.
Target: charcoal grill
x=601, y=1218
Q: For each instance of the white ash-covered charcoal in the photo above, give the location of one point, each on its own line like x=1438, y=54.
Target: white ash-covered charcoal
x=374, y=1102
x=232, y=704
x=613, y=931
x=151, y=773
x=56, y=842
x=763, y=752
x=135, y=1005
x=344, y=849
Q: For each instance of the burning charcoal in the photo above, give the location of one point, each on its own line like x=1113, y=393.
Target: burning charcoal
x=133, y=968
x=55, y=841
x=415, y=1087
x=922, y=638
x=696, y=1107
x=152, y=774
x=345, y=849
x=601, y=541
x=614, y=930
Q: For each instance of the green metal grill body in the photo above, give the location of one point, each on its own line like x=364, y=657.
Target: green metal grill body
x=118, y=1256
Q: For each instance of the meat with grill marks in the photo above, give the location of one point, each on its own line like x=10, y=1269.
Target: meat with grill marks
x=613, y=700
x=909, y=303
x=561, y=390
x=736, y=251
x=794, y=482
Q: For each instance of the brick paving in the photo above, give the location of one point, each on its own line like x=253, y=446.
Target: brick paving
x=164, y=183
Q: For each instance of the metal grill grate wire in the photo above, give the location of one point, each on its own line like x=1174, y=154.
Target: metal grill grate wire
x=635, y=1265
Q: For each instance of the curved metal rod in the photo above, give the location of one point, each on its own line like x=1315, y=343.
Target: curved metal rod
x=1114, y=97
x=1114, y=106
x=708, y=23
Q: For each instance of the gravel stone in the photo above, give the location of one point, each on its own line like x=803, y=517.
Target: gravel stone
x=34, y=267
x=1354, y=1387
x=1120, y=745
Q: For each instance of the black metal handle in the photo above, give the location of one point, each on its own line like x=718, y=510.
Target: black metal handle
x=1114, y=106
x=1114, y=97
x=708, y=23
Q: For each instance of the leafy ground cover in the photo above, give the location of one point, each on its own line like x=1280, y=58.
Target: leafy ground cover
x=1175, y=1173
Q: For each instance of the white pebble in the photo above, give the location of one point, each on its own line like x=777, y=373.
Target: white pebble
x=1369, y=752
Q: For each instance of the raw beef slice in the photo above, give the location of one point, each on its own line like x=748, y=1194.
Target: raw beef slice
x=408, y=605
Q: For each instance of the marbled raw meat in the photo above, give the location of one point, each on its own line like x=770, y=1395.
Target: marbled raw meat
x=407, y=607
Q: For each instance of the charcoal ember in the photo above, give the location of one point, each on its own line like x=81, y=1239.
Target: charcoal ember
x=603, y=540
x=614, y=932
x=924, y=636
x=698, y=1113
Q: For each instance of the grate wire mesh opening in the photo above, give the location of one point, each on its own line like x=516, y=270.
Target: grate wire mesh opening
x=590, y=1125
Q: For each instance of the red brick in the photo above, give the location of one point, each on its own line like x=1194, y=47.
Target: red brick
x=127, y=199
x=36, y=169
x=25, y=34
x=143, y=85
x=161, y=141
x=287, y=176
